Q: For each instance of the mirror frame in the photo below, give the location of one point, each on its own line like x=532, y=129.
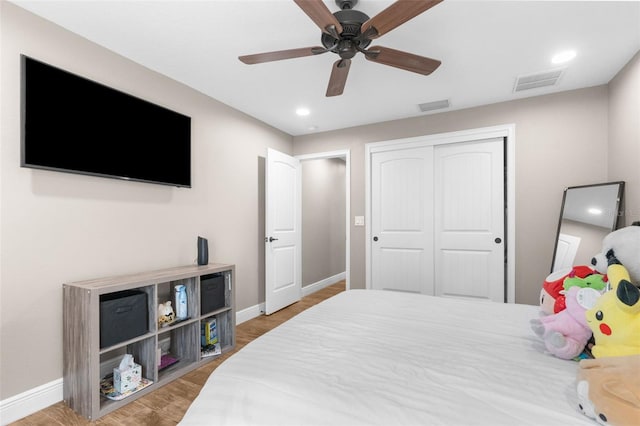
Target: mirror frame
x=619, y=209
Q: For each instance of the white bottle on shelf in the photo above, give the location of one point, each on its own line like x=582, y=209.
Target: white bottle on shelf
x=181, y=302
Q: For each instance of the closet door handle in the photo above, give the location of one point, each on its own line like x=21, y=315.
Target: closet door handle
x=375, y=238
x=271, y=239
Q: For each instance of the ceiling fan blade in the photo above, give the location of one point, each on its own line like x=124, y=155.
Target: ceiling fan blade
x=321, y=15
x=395, y=15
x=338, y=78
x=403, y=60
x=279, y=55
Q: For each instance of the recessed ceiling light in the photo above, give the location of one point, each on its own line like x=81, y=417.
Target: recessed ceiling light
x=562, y=57
x=303, y=111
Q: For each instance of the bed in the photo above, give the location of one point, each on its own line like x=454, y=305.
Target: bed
x=367, y=357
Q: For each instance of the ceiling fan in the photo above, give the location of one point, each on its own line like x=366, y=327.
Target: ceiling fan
x=349, y=31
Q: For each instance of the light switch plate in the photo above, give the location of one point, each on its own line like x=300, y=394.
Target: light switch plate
x=358, y=221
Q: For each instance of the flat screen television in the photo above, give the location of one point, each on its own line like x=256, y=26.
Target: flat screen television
x=72, y=124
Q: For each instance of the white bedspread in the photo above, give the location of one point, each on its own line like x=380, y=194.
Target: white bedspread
x=367, y=357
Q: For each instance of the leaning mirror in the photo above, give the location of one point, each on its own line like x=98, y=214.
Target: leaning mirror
x=588, y=213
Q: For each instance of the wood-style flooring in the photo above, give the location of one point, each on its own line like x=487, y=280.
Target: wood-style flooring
x=166, y=406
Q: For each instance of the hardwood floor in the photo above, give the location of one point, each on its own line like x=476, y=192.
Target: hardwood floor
x=167, y=405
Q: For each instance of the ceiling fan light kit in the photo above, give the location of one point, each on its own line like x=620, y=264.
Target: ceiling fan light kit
x=348, y=31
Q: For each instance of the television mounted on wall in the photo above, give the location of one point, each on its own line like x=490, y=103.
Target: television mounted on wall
x=76, y=125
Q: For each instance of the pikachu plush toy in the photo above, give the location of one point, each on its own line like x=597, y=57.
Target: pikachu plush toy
x=608, y=386
x=615, y=318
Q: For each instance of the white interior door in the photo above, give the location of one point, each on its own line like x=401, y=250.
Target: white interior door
x=469, y=220
x=402, y=220
x=283, y=241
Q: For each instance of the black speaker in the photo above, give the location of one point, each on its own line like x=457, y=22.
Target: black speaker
x=203, y=251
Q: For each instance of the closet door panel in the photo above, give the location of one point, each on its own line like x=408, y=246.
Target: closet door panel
x=469, y=220
x=402, y=220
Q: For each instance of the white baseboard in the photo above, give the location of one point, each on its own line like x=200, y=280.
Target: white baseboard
x=257, y=310
x=28, y=402
x=312, y=288
x=36, y=399
x=249, y=313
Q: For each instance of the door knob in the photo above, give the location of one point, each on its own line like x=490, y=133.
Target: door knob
x=271, y=239
x=498, y=240
x=375, y=238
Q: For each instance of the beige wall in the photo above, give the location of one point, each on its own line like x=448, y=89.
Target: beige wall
x=58, y=227
x=561, y=140
x=323, y=219
x=624, y=134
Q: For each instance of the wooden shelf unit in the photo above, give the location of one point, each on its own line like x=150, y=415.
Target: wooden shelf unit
x=85, y=362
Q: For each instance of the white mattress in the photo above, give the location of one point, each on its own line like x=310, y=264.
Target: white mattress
x=367, y=357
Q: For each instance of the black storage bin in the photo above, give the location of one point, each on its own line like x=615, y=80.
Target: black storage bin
x=123, y=316
x=211, y=292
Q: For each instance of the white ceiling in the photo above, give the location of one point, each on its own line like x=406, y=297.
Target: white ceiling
x=483, y=45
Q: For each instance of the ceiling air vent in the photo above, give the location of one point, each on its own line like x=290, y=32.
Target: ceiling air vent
x=430, y=106
x=541, y=79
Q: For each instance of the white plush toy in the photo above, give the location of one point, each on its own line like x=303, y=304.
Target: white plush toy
x=165, y=314
x=624, y=243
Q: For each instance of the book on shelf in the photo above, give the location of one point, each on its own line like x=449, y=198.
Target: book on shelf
x=211, y=350
x=208, y=332
x=166, y=361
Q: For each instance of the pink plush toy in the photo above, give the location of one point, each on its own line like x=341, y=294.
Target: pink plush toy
x=566, y=333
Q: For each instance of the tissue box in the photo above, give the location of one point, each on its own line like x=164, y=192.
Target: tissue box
x=128, y=379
